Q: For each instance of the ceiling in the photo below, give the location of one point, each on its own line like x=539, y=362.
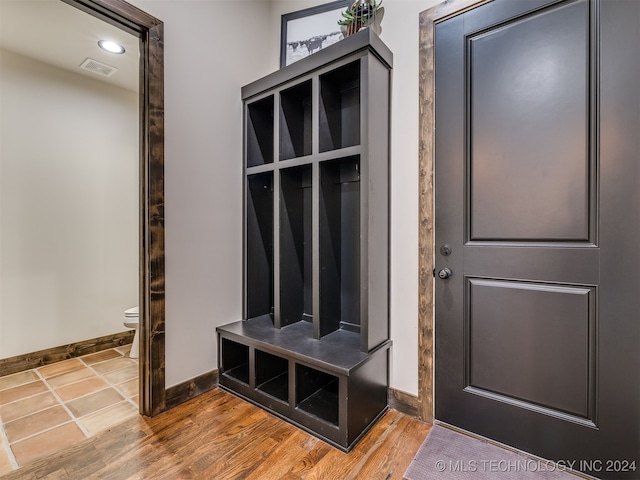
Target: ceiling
x=58, y=34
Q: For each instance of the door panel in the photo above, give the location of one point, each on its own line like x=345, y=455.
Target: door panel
x=528, y=126
x=542, y=355
x=537, y=174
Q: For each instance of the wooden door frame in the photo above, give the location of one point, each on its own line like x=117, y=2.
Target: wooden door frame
x=426, y=233
x=150, y=31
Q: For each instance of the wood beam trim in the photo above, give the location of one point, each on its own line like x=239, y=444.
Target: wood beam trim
x=150, y=31
x=428, y=19
x=404, y=402
x=185, y=391
x=47, y=356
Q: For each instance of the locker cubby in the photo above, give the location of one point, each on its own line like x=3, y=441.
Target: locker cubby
x=340, y=107
x=329, y=388
x=259, y=134
x=259, y=245
x=295, y=245
x=313, y=344
x=235, y=360
x=317, y=393
x=295, y=121
x=272, y=375
x=340, y=245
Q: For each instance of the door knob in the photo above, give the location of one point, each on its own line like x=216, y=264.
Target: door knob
x=445, y=273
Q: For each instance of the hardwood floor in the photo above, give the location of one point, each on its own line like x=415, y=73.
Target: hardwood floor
x=219, y=436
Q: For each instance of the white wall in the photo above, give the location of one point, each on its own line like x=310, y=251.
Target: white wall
x=212, y=49
x=68, y=206
x=400, y=33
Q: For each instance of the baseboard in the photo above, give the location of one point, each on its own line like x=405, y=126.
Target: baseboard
x=191, y=388
x=404, y=402
x=41, y=358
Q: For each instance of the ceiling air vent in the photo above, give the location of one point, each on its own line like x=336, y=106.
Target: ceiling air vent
x=98, y=68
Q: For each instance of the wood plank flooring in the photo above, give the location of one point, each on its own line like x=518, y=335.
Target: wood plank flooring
x=219, y=436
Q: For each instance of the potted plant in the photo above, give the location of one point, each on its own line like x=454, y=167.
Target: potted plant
x=362, y=14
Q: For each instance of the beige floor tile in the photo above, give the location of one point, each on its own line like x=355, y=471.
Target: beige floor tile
x=130, y=387
x=3, y=443
x=35, y=423
x=136, y=476
x=115, y=364
x=17, y=393
x=96, y=401
x=123, y=374
x=60, y=367
x=135, y=400
x=124, y=350
x=17, y=379
x=101, y=356
x=15, y=410
x=81, y=388
x=108, y=417
x=27, y=407
x=5, y=463
x=71, y=377
x=26, y=451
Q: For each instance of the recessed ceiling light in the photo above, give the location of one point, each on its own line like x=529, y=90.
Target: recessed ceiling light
x=111, y=47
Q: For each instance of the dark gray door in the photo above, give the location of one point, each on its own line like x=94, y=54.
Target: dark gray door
x=537, y=198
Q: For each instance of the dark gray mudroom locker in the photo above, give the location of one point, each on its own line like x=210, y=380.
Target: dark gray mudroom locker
x=313, y=347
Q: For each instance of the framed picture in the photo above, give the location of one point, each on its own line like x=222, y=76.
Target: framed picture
x=307, y=31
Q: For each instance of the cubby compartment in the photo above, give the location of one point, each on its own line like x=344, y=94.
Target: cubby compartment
x=259, y=245
x=235, y=360
x=272, y=375
x=340, y=107
x=317, y=393
x=295, y=121
x=312, y=346
x=295, y=245
x=339, y=245
x=259, y=118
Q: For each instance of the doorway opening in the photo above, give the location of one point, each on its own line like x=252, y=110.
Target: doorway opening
x=150, y=32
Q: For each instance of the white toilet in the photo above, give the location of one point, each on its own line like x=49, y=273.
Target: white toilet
x=131, y=321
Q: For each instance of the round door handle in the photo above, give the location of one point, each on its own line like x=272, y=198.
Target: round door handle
x=445, y=273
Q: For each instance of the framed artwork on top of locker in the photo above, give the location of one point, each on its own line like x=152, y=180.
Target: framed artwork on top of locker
x=307, y=31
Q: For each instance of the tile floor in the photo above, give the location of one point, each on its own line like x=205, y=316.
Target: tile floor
x=50, y=408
